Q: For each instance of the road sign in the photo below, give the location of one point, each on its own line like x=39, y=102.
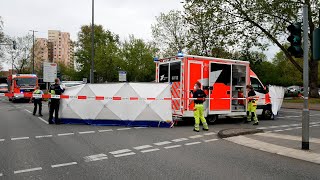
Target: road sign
x=49, y=72
x=122, y=76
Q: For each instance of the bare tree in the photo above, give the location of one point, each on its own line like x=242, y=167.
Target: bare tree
x=170, y=32
x=19, y=58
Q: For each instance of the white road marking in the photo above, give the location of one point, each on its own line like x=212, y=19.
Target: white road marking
x=126, y=154
x=279, y=130
x=27, y=170
x=162, y=143
x=315, y=125
x=150, y=150
x=2, y=140
x=120, y=151
x=96, y=157
x=123, y=129
x=287, y=137
x=65, y=134
x=196, y=136
x=87, y=132
x=181, y=139
x=211, y=140
x=105, y=130
x=170, y=147
x=193, y=143
x=288, y=129
x=44, y=136
x=142, y=147
x=28, y=111
x=209, y=134
x=64, y=164
x=43, y=120
x=140, y=127
x=1, y=174
x=19, y=138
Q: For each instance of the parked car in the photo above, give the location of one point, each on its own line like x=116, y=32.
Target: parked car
x=71, y=83
x=4, y=88
x=293, y=91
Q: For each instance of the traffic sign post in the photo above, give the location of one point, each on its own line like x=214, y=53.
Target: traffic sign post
x=305, y=112
x=49, y=72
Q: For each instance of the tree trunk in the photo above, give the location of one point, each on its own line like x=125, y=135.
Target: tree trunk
x=313, y=76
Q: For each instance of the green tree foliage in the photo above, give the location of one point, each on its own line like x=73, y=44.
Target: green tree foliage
x=287, y=74
x=106, y=53
x=137, y=60
x=134, y=56
x=255, y=23
x=170, y=32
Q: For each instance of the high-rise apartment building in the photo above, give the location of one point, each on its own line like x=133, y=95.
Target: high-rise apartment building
x=58, y=48
x=40, y=52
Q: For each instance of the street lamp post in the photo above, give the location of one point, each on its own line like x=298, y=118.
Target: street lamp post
x=92, y=46
x=33, y=31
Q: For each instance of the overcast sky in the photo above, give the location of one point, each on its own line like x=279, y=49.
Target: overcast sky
x=122, y=17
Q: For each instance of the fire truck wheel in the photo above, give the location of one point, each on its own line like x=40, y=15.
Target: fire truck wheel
x=267, y=114
x=212, y=118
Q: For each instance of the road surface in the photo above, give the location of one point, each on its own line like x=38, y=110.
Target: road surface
x=32, y=149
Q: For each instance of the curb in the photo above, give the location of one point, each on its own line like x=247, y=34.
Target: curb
x=225, y=133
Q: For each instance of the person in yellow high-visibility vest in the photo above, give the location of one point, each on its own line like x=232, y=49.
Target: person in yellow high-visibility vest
x=198, y=108
x=37, y=101
x=252, y=106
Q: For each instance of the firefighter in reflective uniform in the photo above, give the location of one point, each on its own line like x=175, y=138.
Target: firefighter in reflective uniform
x=55, y=89
x=252, y=106
x=198, y=108
x=37, y=101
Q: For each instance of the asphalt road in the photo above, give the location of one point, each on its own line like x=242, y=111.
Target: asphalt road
x=32, y=149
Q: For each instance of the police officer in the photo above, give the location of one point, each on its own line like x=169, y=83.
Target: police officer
x=37, y=101
x=198, y=108
x=55, y=89
x=252, y=106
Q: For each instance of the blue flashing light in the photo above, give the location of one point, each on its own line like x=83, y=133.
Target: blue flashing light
x=180, y=54
x=155, y=59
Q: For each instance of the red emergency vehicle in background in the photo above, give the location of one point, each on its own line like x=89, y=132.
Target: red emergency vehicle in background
x=223, y=80
x=22, y=86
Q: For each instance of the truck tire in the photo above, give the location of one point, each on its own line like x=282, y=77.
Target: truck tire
x=212, y=119
x=267, y=114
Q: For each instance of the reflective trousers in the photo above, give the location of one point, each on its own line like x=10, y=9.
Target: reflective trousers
x=198, y=115
x=251, y=113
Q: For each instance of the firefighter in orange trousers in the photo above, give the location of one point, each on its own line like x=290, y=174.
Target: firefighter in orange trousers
x=198, y=108
x=252, y=106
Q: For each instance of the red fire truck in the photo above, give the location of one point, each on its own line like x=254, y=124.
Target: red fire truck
x=21, y=86
x=223, y=80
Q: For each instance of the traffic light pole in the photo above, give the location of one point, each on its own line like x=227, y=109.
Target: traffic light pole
x=305, y=112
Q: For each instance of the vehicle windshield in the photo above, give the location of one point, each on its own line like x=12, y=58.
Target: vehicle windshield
x=26, y=81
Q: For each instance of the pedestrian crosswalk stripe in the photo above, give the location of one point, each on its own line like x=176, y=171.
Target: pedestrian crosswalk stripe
x=120, y=151
x=142, y=147
x=150, y=150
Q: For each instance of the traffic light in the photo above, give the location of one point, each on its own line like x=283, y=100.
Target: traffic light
x=295, y=40
x=14, y=45
x=316, y=44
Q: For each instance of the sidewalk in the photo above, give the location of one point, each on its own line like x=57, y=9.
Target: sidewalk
x=286, y=105
x=281, y=144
